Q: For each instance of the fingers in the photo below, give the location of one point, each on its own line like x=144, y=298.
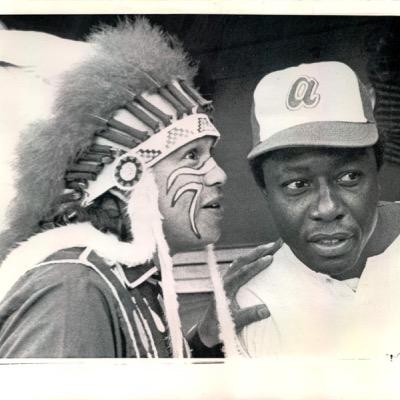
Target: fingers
x=246, y=267
x=234, y=280
x=241, y=271
x=256, y=253
x=246, y=316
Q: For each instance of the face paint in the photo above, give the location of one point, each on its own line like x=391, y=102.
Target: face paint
x=202, y=170
x=195, y=187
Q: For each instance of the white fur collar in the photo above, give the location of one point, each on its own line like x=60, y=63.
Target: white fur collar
x=40, y=246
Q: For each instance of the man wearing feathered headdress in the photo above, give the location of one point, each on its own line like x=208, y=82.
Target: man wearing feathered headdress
x=113, y=172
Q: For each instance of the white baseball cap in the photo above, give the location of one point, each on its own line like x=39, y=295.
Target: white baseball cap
x=320, y=104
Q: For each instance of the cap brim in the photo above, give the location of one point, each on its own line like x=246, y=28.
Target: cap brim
x=319, y=134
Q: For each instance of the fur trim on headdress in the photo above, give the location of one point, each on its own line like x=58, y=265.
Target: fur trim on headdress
x=40, y=246
x=98, y=86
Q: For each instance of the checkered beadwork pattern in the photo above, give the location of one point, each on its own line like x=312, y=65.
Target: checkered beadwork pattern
x=204, y=124
x=148, y=154
x=176, y=134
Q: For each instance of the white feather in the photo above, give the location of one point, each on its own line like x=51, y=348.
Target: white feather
x=226, y=324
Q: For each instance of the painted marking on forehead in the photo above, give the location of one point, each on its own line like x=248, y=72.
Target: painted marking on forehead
x=202, y=170
x=196, y=188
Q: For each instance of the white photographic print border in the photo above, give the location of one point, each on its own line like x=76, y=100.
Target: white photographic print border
x=295, y=378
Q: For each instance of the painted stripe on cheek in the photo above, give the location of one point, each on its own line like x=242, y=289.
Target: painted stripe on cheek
x=196, y=188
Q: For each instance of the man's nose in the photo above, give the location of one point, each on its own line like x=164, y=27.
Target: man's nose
x=327, y=205
x=216, y=176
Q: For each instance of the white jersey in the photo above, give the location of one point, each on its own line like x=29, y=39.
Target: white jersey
x=313, y=314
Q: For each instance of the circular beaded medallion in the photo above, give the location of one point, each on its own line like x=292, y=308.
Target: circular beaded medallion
x=127, y=172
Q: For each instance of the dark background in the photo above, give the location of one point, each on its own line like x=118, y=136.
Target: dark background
x=235, y=52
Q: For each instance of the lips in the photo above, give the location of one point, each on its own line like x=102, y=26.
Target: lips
x=214, y=203
x=331, y=245
x=215, y=206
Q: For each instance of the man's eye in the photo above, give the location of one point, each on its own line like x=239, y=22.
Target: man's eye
x=192, y=155
x=296, y=186
x=350, y=178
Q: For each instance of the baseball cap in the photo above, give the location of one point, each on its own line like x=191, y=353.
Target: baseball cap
x=319, y=104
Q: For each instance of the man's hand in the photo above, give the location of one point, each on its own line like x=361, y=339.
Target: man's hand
x=239, y=273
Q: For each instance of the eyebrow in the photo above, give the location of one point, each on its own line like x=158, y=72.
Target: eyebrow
x=195, y=144
x=294, y=169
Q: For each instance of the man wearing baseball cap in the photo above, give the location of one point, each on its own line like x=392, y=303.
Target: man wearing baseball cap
x=333, y=288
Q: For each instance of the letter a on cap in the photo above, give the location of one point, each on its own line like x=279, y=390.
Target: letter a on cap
x=303, y=94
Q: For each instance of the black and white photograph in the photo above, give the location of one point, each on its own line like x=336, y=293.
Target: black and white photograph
x=204, y=190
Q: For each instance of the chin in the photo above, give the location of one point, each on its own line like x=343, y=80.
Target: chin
x=210, y=236
x=205, y=240
x=209, y=241
x=334, y=267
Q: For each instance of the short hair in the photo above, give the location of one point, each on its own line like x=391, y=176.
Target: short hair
x=256, y=168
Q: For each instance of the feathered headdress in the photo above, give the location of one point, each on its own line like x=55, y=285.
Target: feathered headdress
x=98, y=115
